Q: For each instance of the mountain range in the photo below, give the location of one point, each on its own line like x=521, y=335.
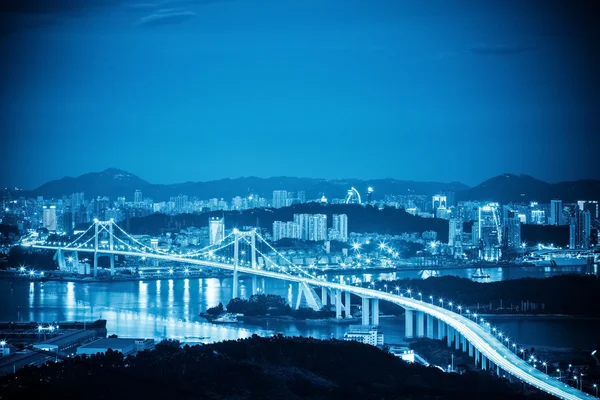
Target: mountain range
x=505, y=188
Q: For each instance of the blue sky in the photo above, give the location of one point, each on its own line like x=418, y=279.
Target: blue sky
x=198, y=90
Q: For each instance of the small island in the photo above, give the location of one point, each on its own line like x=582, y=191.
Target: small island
x=262, y=306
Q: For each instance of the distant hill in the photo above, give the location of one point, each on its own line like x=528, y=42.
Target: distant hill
x=360, y=219
x=114, y=183
x=524, y=188
x=503, y=188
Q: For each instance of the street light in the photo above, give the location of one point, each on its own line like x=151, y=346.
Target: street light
x=451, y=307
x=559, y=373
x=460, y=310
x=421, y=296
x=595, y=386
x=442, y=302
x=431, y=298
x=545, y=366
x=409, y=293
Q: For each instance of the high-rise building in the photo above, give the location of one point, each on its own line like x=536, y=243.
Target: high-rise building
x=438, y=201
x=489, y=234
x=279, y=198
x=67, y=219
x=512, y=236
x=137, y=197
x=279, y=230
x=216, y=230
x=340, y=226
x=455, y=232
x=580, y=230
x=538, y=217
x=49, y=218
x=303, y=221
x=556, y=213
x=301, y=196
x=76, y=200
x=318, y=227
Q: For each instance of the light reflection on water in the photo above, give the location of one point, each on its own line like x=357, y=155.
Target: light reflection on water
x=146, y=309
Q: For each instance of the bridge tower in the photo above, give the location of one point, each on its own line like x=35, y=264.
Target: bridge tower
x=236, y=252
x=253, y=258
x=98, y=226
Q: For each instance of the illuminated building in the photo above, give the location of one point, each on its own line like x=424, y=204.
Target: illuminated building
x=49, y=218
x=137, y=196
x=488, y=233
x=556, y=213
x=437, y=201
x=317, y=227
x=340, y=226
x=455, y=232
x=580, y=230
x=365, y=334
x=279, y=198
x=216, y=230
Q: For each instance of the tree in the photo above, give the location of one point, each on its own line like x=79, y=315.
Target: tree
x=215, y=311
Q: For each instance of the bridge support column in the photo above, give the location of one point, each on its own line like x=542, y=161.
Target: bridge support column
x=470, y=346
x=236, y=251
x=408, y=323
x=254, y=284
x=450, y=335
x=75, y=263
x=375, y=305
x=324, y=295
x=497, y=370
x=430, y=326
x=483, y=362
x=464, y=344
x=365, y=311
x=476, y=357
x=338, y=304
x=457, y=340
x=420, y=324
x=348, y=306
x=441, y=329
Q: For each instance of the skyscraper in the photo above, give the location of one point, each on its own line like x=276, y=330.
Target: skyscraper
x=340, y=225
x=580, y=230
x=279, y=230
x=137, y=197
x=513, y=231
x=318, y=227
x=216, y=230
x=556, y=212
x=49, y=218
x=67, y=219
x=303, y=221
x=455, y=232
x=489, y=234
x=279, y=198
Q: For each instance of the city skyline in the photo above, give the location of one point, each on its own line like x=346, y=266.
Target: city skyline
x=185, y=90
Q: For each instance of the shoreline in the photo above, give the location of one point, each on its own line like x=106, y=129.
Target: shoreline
x=97, y=280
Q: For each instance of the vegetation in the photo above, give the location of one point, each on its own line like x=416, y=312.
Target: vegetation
x=215, y=311
x=251, y=369
x=272, y=305
x=563, y=294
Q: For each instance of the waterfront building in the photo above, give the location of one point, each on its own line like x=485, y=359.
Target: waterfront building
x=364, y=334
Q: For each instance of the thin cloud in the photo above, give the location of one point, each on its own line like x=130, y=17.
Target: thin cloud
x=500, y=50
x=168, y=18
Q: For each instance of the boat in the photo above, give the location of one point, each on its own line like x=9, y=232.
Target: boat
x=479, y=274
x=226, y=319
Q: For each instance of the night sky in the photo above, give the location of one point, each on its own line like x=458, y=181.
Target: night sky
x=198, y=90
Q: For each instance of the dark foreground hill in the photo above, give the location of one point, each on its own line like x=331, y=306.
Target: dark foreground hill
x=252, y=369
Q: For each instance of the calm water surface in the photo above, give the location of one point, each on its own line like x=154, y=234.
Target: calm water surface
x=164, y=308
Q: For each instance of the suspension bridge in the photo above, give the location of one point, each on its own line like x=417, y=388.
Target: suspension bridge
x=248, y=253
